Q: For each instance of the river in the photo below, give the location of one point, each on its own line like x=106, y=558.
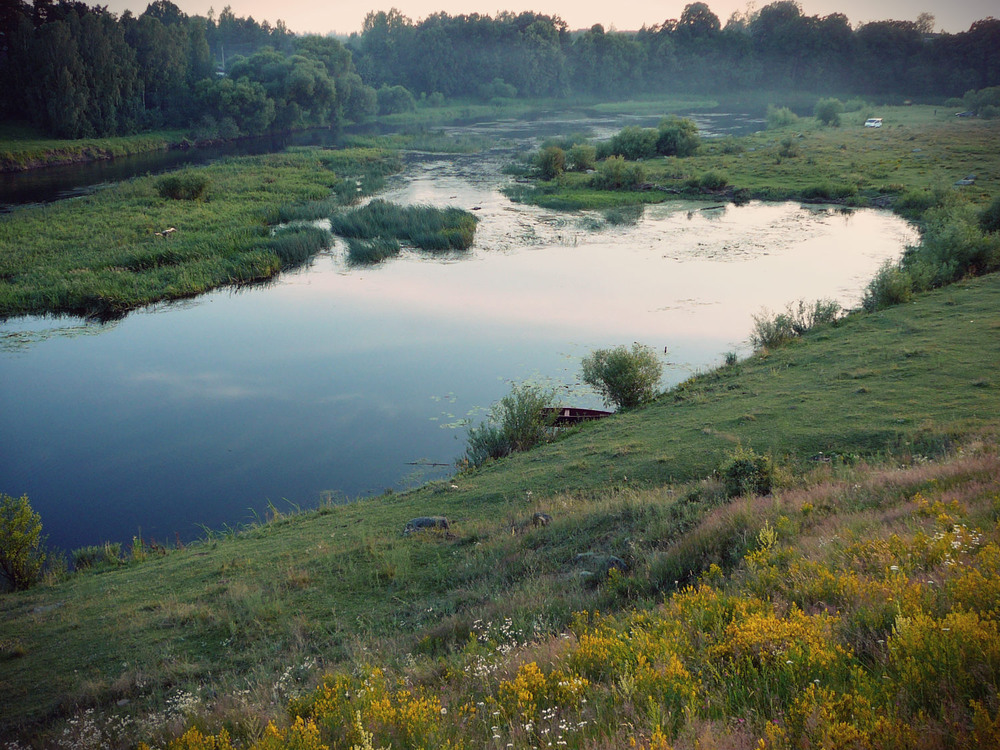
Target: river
x=336, y=382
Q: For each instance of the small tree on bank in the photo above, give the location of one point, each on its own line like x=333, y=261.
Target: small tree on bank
x=624, y=377
x=21, y=554
x=517, y=422
x=828, y=111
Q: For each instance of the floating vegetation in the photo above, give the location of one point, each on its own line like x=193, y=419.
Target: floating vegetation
x=363, y=252
x=425, y=227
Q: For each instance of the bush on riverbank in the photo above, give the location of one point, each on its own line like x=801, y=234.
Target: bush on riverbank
x=186, y=186
x=518, y=422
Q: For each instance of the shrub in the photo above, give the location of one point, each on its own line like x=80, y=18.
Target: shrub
x=497, y=89
x=95, y=556
x=614, y=173
x=21, y=552
x=633, y=143
x=713, y=180
x=188, y=186
x=774, y=330
x=828, y=111
x=518, y=422
x=891, y=285
x=435, y=100
x=624, y=378
x=789, y=148
x=582, y=156
x=677, y=136
x=913, y=203
x=779, y=117
x=953, y=246
x=394, y=99
x=989, y=218
x=746, y=473
x=551, y=162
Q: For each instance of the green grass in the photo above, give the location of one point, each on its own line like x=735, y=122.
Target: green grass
x=425, y=227
x=920, y=148
x=22, y=148
x=102, y=255
x=343, y=586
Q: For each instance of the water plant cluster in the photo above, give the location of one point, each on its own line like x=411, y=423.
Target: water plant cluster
x=376, y=229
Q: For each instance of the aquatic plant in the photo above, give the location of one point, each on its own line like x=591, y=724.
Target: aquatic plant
x=426, y=227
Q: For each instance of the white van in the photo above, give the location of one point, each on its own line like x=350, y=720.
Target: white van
x=873, y=122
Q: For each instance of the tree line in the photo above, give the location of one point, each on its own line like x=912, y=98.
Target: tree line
x=776, y=47
x=75, y=70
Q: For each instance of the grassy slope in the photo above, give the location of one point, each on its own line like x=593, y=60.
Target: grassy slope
x=234, y=614
x=22, y=148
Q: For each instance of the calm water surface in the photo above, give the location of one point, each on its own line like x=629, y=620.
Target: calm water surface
x=339, y=381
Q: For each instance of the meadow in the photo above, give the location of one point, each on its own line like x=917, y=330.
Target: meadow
x=236, y=632
x=157, y=238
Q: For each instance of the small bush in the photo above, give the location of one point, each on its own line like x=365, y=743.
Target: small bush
x=913, y=203
x=518, y=422
x=989, y=218
x=732, y=145
x=624, y=378
x=774, y=330
x=713, y=180
x=828, y=111
x=746, y=473
x=21, y=552
x=614, y=173
x=497, y=89
x=582, y=156
x=551, y=162
x=435, y=100
x=187, y=186
x=677, y=136
x=789, y=147
x=891, y=285
x=779, y=117
x=96, y=556
x=394, y=100
x=632, y=143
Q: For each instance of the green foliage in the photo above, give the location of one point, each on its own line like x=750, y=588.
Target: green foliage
x=713, y=180
x=614, y=173
x=394, y=100
x=21, y=553
x=913, y=203
x=890, y=286
x=96, y=556
x=628, y=215
x=677, y=136
x=427, y=227
x=497, y=89
x=744, y=472
x=989, y=218
x=375, y=250
x=774, y=330
x=953, y=246
x=297, y=244
x=789, y=147
x=186, y=185
x=625, y=378
x=780, y=117
x=984, y=102
x=582, y=157
x=518, y=422
x=632, y=143
x=828, y=111
x=550, y=162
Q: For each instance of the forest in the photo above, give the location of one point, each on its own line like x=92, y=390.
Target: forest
x=73, y=70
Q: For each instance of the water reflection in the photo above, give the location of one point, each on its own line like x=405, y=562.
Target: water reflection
x=335, y=380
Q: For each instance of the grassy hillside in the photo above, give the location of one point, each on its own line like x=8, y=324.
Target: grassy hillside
x=227, y=632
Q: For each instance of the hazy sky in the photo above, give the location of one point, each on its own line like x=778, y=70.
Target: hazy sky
x=322, y=16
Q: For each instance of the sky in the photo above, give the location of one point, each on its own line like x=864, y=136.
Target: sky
x=346, y=16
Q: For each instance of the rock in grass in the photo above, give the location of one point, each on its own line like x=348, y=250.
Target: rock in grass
x=425, y=522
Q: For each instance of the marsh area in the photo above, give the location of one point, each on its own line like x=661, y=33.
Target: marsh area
x=335, y=381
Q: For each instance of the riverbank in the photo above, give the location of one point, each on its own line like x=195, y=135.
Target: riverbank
x=225, y=633
x=917, y=151
x=22, y=149
x=138, y=242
